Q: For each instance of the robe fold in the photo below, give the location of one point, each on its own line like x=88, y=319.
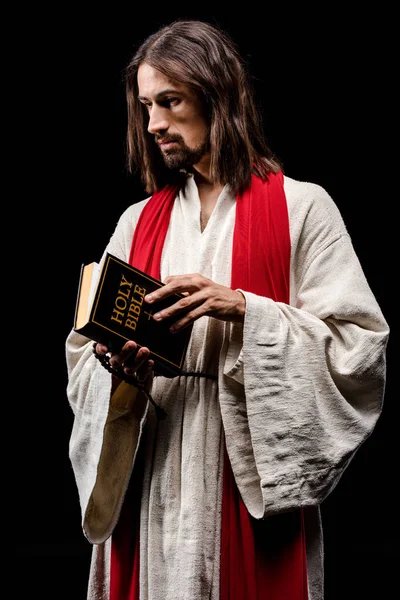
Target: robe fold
x=300, y=388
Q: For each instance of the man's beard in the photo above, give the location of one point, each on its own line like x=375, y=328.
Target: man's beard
x=182, y=156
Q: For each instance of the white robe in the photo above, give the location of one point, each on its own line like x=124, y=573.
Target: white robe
x=300, y=388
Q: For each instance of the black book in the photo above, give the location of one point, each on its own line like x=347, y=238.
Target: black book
x=110, y=309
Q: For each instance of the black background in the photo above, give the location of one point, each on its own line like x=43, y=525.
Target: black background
x=325, y=81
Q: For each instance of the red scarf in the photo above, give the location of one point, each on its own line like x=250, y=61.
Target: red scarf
x=260, y=560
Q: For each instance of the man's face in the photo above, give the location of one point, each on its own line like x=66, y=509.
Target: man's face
x=176, y=118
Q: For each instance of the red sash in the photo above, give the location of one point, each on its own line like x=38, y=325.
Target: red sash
x=260, y=560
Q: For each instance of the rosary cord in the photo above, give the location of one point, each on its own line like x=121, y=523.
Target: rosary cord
x=104, y=359
x=131, y=379
x=198, y=374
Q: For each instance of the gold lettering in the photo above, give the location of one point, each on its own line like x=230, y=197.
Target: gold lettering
x=134, y=307
x=121, y=302
x=134, y=310
x=115, y=314
x=124, y=281
x=139, y=290
x=140, y=302
x=131, y=324
x=133, y=315
x=126, y=292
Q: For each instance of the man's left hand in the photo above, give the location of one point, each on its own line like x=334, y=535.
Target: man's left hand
x=203, y=297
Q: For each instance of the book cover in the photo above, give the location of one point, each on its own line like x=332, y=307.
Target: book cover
x=110, y=309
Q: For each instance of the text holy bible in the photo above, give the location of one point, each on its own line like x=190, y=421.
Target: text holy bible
x=110, y=309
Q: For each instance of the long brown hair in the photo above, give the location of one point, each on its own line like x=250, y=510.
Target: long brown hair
x=204, y=58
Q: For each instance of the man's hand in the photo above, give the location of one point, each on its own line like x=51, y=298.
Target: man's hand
x=132, y=359
x=202, y=297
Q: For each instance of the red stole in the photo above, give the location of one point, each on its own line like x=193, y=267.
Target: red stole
x=260, y=560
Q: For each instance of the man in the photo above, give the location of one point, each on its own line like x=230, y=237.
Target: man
x=285, y=370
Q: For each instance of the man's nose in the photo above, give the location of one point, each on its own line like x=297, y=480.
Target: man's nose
x=157, y=120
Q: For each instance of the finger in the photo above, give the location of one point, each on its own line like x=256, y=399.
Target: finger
x=129, y=347
x=118, y=358
x=184, y=305
x=188, y=319
x=189, y=280
x=175, y=284
x=101, y=348
x=129, y=354
x=144, y=371
x=132, y=365
x=163, y=292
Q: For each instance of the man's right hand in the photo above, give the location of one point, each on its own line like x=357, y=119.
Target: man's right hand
x=132, y=359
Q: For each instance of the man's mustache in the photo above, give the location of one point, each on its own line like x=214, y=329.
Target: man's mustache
x=166, y=139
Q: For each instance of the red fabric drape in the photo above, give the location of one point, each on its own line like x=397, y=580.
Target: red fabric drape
x=124, y=569
x=260, y=560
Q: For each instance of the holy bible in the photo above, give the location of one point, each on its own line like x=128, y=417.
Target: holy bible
x=110, y=309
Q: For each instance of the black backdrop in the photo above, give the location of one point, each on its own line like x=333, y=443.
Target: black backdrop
x=325, y=81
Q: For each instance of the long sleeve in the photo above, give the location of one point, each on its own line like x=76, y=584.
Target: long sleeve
x=308, y=383
x=105, y=435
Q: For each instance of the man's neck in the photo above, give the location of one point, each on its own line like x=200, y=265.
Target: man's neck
x=209, y=191
x=207, y=188
x=208, y=194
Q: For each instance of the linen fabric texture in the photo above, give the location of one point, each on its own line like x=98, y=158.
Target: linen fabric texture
x=300, y=388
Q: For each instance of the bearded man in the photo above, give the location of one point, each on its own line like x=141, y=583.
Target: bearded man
x=284, y=374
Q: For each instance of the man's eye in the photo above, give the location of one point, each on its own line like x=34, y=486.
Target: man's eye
x=170, y=100
x=147, y=105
